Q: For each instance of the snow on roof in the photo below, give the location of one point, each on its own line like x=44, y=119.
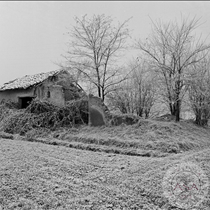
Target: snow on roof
x=27, y=81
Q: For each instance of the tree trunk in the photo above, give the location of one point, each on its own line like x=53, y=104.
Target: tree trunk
x=99, y=92
x=172, y=108
x=178, y=107
x=175, y=109
x=103, y=94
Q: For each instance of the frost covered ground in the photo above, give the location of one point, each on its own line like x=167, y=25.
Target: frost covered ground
x=118, y=167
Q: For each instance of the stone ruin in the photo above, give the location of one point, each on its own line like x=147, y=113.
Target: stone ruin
x=97, y=111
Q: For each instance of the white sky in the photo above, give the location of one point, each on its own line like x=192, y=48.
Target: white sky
x=33, y=34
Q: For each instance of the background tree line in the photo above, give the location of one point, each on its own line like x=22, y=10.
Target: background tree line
x=172, y=64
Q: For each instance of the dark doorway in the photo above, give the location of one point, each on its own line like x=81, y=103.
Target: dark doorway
x=25, y=101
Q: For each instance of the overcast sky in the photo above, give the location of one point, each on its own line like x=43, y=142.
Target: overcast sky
x=33, y=34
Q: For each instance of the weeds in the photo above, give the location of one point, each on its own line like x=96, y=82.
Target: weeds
x=43, y=115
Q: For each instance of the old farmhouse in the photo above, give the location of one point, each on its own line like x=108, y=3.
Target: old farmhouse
x=56, y=87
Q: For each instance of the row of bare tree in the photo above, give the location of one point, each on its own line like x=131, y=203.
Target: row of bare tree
x=172, y=63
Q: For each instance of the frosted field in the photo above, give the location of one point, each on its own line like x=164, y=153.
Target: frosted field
x=37, y=175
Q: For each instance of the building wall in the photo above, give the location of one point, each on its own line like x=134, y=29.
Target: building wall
x=70, y=91
x=56, y=89
x=51, y=93
x=14, y=95
x=41, y=93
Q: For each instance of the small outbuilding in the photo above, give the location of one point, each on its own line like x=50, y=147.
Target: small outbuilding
x=56, y=87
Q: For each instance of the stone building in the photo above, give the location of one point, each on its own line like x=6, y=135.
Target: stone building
x=56, y=87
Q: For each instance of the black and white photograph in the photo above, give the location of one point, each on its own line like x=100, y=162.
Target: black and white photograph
x=104, y=105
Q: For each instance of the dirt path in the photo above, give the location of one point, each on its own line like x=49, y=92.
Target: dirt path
x=40, y=176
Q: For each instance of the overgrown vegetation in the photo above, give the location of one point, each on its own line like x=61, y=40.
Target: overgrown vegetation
x=149, y=138
x=42, y=115
x=199, y=91
x=126, y=119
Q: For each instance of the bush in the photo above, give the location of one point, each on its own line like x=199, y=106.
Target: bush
x=9, y=104
x=127, y=119
x=6, y=108
x=45, y=115
x=6, y=135
x=38, y=107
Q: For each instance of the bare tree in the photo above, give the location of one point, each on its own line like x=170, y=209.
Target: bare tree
x=199, y=91
x=122, y=98
x=136, y=95
x=173, y=48
x=94, y=48
x=144, y=87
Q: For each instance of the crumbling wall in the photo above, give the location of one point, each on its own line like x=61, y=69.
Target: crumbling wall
x=14, y=95
x=51, y=93
x=58, y=89
x=96, y=111
x=71, y=92
x=56, y=95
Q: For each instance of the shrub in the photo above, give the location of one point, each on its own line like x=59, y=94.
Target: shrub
x=9, y=104
x=127, y=119
x=6, y=135
x=45, y=115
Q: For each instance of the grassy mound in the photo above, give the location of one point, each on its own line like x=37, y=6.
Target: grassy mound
x=133, y=135
x=146, y=138
x=147, y=135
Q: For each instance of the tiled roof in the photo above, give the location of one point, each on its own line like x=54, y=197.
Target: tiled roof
x=27, y=81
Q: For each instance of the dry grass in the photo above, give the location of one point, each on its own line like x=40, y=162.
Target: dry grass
x=148, y=136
